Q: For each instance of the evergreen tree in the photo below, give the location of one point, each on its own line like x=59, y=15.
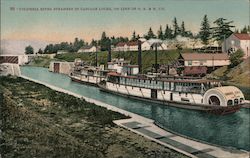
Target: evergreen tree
x=93, y=43
x=176, y=27
x=222, y=30
x=133, y=36
x=205, y=31
x=160, y=34
x=105, y=42
x=168, y=33
x=150, y=34
x=40, y=51
x=183, y=30
x=245, y=29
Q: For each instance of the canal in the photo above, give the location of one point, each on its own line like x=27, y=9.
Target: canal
x=230, y=130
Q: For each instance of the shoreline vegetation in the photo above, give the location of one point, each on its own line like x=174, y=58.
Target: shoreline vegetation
x=39, y=122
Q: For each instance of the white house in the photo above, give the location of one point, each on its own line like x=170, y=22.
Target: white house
x=147, y=45
x=237, y=41
x=204, y=59
x=87, y=49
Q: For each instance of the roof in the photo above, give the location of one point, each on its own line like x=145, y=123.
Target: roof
x=242, y=36
x=120, y=44
x=132, y=43
x=86, y=47
x=195, y=70
x=205, y=56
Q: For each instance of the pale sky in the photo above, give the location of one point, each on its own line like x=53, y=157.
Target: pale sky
x=66, y=25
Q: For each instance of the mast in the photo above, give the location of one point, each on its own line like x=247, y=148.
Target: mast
x=109, y=53
x=139, y=57
x=156, y=66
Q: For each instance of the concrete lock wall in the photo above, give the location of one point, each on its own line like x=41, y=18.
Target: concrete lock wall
x=61, y=67
x=9, y=69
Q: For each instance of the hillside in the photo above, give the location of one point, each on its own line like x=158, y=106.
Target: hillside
x=148, y=57
x=238, y=75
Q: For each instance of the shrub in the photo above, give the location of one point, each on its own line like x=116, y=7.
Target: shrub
x=236, y=58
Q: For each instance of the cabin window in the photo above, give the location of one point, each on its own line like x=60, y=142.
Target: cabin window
x=241, y=100
x=189, y=62
x=185, y=99
x=229, y=102
x=236, y=101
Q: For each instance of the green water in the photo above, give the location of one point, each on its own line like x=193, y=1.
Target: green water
x=230, y=130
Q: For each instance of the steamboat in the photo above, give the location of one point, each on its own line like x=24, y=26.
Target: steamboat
x=195, y=94
x=85, y=74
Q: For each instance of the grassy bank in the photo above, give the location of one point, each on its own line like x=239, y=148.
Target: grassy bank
x=40, y=61
x=39, y=122
x=164, y=57
x=237, y=76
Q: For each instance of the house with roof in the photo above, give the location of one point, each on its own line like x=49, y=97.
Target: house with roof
x=121, y=47
x=133, y=45
x=147, y=45
x=201, y=63
x=87, y=49
x=237, y=41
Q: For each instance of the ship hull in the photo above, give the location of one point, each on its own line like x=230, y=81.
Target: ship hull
x=218, y=110
x=83, y=82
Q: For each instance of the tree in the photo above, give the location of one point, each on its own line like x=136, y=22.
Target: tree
x=133, y=36
x=246, y=29
x=40, y=51
x=222, y=30
x=29, y=50
x=205, y=31
x=105, y=42
x=150, y=34
x=236, y=58
x=93, y=43
x=168, y=33
x=160, y=34
x=176, y=27
x=183, y=31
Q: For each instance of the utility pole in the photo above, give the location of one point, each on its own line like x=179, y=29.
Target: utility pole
x=139, y=57
x=109, y=53
x=96, y=60
x=156, y=66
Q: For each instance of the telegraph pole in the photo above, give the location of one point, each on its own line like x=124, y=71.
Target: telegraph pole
x=139, y=57
x=156, y=66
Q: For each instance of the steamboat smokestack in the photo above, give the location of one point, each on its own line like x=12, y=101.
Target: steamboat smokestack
x=109, y=53
x=139, y=57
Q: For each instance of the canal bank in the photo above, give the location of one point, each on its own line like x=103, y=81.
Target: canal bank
x=148, y=129
x=231, y=130
x=40, y=122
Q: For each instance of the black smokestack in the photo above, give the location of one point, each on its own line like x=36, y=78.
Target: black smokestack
x=139, y=57
x=109, y=53
x=96, y=60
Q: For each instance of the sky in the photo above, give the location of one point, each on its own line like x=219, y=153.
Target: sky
x=28, y=20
